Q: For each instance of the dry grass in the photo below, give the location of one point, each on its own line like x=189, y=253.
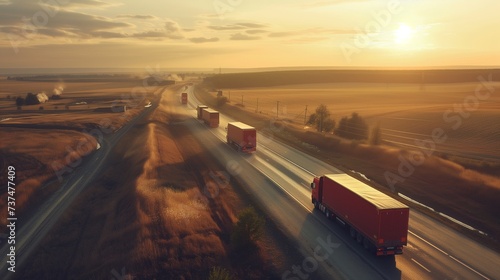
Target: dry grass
x=406, y=112
x=33, y=154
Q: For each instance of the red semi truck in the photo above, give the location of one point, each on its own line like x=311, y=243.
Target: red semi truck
x=210, y=117
x=184, y=98
x=374, y=219
x=242, y=136
x=199, y=110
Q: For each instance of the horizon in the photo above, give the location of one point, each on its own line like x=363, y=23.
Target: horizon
x=217, y=34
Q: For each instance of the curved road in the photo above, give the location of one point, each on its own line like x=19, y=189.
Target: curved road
x=31, y=231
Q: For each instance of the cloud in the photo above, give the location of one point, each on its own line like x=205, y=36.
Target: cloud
x=256, y=31
x=310, y=32
x=226, y=27
x=136, y=16
x=49, y=21
x=237, y=26
x=251, y=25
x=199, y=40
x=283, y=34
x=319, y=4
x=173, y=30
x=240, y=36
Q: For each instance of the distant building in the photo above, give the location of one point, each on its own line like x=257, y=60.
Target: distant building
x=119, y=108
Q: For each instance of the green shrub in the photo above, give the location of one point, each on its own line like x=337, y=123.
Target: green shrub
x=249, y=228
x=219, y=273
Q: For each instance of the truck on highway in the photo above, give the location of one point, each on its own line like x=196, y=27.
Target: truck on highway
x=184, y=98
x=210, y=117
x=199, y=110
x=242, y=136
x=374, y=219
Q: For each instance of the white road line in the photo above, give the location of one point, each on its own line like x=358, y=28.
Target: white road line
x=446, y=254
x=421, y=265
x=284, y=158
x=430, y=244
x=478, y=273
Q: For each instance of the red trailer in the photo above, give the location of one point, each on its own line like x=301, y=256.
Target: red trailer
x=242, y=136
x=184, y=98
x=375, y=219
x=210, y=117
x=199, y=110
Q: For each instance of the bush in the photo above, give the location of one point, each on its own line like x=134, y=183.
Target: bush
x=219, y=273
x=31, y=99
x=221, y=100
x=321, y=119
x=249, y=228
x=19, y=101
x=354, y=128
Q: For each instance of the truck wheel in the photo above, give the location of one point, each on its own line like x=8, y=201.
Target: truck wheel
x=359, y=238
x=352, y=232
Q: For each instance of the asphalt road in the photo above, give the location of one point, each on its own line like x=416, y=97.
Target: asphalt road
x=30, y=231
x=278, y=176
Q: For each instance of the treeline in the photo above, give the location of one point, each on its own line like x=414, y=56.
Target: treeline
x=352, y=127
x=277, y=78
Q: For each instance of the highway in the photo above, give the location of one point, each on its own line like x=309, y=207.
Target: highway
x=30, y=231
x=278, y=177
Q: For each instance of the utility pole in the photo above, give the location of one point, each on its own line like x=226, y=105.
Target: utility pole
x=305, y=116
x=277, y=109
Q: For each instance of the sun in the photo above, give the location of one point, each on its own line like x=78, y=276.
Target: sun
x=403, y=34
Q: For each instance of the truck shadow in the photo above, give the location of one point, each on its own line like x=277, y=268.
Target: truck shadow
x=345, y=251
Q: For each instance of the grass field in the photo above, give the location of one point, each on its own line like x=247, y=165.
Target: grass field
x=406, y=112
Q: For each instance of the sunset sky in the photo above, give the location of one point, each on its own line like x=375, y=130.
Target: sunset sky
x=244, y=33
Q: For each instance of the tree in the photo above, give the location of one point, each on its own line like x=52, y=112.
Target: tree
x=376, y=135
x=31, y=99
x=321, y=120
x=352, y=128
x=19, y=101
x=248, y=229
x=221, y=100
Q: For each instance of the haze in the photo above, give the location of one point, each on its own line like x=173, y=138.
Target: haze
x=111, y=33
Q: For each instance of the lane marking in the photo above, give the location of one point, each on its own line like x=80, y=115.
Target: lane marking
x=446, y=254
x=284, y=158
x=421, y=265
x=472, y=269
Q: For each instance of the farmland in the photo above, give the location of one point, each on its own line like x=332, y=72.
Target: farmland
x=454, y=173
